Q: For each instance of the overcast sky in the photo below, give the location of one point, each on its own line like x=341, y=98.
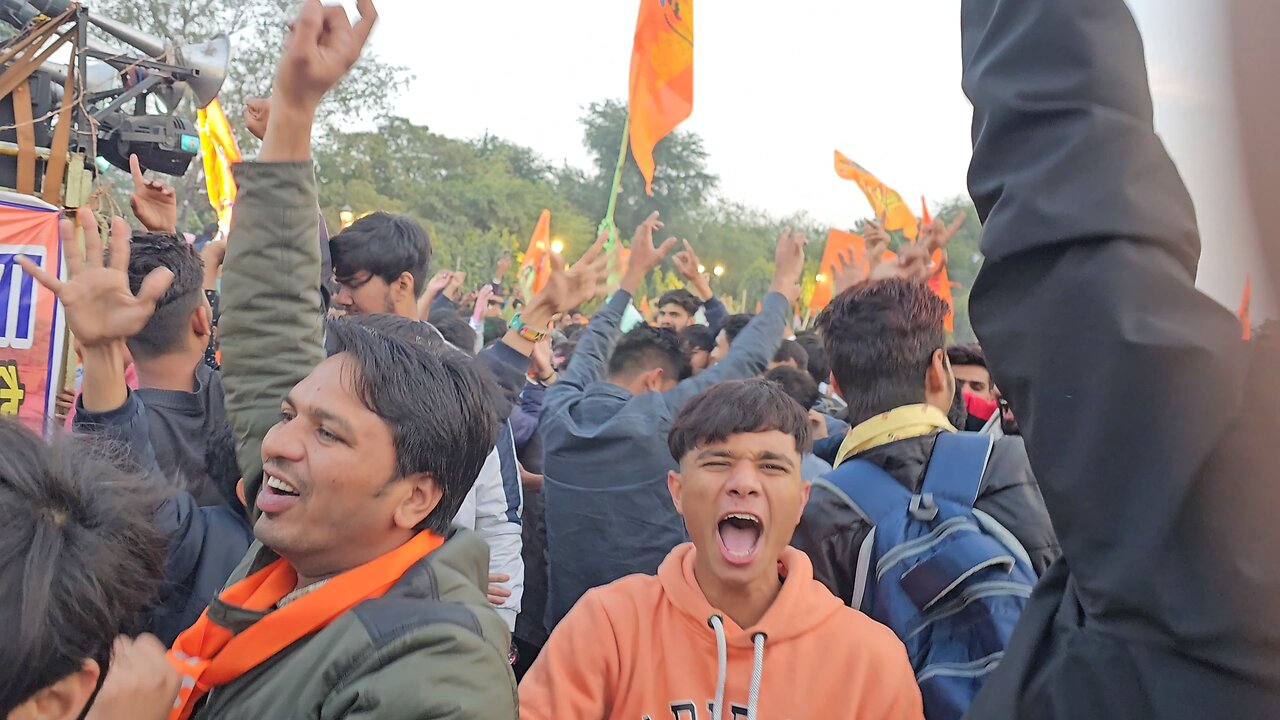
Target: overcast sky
x=780, y=85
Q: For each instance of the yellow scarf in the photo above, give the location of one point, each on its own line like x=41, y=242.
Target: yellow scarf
x=901, y=423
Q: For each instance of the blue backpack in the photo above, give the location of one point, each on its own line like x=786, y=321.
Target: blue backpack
x=947, y=578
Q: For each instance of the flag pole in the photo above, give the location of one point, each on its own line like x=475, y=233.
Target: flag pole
x=607, y=223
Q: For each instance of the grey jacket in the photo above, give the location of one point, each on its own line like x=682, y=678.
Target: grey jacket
x=608, y=511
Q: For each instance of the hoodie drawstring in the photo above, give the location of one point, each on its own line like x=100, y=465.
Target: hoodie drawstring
x=722, y=665
x=757, y=674
x=722, y=670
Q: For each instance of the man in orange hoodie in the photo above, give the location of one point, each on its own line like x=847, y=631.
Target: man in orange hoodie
x=734, y=625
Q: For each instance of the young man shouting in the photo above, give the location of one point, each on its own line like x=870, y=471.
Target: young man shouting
x=734, y=625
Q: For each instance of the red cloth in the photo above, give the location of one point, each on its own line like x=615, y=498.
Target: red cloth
x=980, y=407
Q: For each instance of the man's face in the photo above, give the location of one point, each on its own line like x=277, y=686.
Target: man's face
x=674, y=317
x=364, y=294
x=721, y=349
x=327, y=495
x=975, y=380
x=741, y=500
x=494, y=307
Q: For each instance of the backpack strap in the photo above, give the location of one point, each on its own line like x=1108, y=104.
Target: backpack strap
x=872, y=492
x=956, y=467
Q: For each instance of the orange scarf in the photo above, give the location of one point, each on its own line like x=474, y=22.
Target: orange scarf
x=208, y=655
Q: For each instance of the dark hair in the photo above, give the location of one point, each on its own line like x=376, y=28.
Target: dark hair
x=681, y=297
x=733, y=408
x=456, y=331
x=81, y=558
x=572, y=332
x=645, y=348
x=167, y=329
x=795, y=383
x=734, y=324
x=880, y=338
x=791, y=350
x=967, y=355
x=494, y=328
x=383, y=245
x=697, y=337
x=439, y=407
x=221, y=466
x=819, y=368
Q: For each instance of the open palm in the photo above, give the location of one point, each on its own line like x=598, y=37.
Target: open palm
x=99, y=305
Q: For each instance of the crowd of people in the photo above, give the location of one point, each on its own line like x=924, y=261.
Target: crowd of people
x=306, y=477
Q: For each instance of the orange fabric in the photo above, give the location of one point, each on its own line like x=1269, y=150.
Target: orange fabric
x=1246, y=327
x=535, y=268
x=644, y=308
x=642, y=647
x=940, y=284
x=884, y=200
x=661, y=89
x=208, y=655
x=838, y=241
x=925, y=218
x=220, y=151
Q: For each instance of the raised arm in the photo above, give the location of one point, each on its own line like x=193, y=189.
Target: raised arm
x=272, y=311
x=1086, y=305
x=759, y=340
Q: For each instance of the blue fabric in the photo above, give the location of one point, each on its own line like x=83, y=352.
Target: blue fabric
x=937, y=577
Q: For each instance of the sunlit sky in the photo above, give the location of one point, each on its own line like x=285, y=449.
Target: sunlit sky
x=780, y=85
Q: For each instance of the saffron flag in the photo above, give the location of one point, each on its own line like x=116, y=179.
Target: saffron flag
x=838, y=243
x=661, y=89
x=644, y=308
x=925, y=218
x=535, y=267
x=32, y=326
x=1246, y=327
x=940, y=284
x=885, y=201
x=220, y=151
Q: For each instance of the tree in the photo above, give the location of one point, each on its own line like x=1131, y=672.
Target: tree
x=682, y=184
x=256, y=29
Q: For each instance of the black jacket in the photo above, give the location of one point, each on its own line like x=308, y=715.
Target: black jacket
x=1166, y=602
x=205, y=543
x=831, y=532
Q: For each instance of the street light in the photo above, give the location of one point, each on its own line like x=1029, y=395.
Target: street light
x=819, y=277
x=718, y=271
x=346, y=216
x=557, y=246
x=702, y=269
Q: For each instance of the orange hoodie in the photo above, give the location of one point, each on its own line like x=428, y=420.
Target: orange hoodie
x=645, y=647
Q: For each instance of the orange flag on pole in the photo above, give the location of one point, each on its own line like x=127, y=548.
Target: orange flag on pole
x=884, y=200
x=535, y=267
x=661, y=91
x=1246, y=327
x=644, y=308
x=925, y=218
x=940, y=284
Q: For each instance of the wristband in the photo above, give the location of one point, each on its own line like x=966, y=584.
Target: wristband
x=526, y=332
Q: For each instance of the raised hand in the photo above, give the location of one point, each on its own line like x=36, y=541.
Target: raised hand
x=504, y=264
x=644, y=255
x=848, y=272
x=788, y=264
x=100, y=307
x=936, y=234
x=320, y=48
x=569, y=288
x=911, y=264
x=153, y=202
x=213, y=255
x=687, y=263
x=257, y=111
x=875, y=234
x=482, y=303
x=454, y=288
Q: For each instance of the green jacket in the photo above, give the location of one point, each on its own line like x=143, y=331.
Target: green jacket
x=431, y=647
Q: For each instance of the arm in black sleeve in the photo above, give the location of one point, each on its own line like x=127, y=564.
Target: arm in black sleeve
x=1087, y=306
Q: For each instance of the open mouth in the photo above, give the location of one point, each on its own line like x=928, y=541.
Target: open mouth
x=276, y=496
x=740, y=535
x=280, y=486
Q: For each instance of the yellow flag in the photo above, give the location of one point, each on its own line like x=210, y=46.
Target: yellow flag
x=220, y=151
x=885, y=201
